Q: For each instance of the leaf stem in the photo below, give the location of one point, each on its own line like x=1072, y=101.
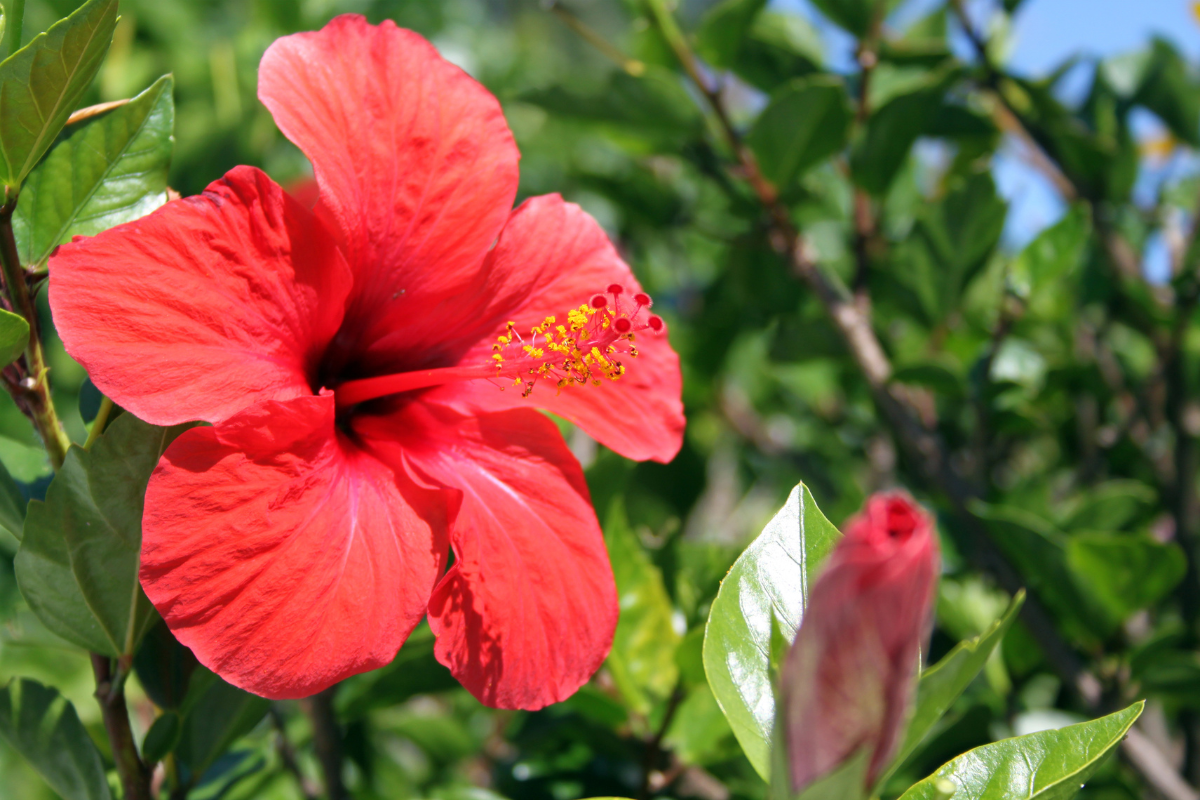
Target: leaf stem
x=14, y=18
x=99, y=423
x=110, y=694
x=32, y=394
x=327, y=740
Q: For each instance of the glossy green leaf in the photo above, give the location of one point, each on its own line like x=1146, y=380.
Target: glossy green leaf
x=41, y=725
x=79, y=557
x=42, y=83
x=642, y=659
x=724, y=28
x=215, y=715
x=108, y=169
x=413, y=671
x=1051, y=765
x=806, y=122
x=941, y=684
x=771, y=578
x=164, y=667
x=14, y=336
x=1127, y=572
x=778, y=47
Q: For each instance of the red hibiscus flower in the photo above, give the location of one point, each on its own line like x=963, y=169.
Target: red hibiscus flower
x=371, y=371
x=848, y=681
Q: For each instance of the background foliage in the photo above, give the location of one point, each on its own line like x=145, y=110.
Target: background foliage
x=1042, y=399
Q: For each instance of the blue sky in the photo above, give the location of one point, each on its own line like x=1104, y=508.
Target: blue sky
x=1044, y=32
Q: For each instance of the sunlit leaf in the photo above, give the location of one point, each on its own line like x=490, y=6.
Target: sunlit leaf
x=41, y=84
x=1051, y=765
x=771, y=578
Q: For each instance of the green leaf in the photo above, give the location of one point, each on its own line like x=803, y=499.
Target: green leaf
x=777, y=48
x=41, y=84
x=1053, y=254
x=215, y=715
x=413, y=671
x=1127, y=572
x=12, y=505
x=642, y=659
x=14, y=336
x=41, y=724
x=1051, y=765
x=162, y=738
x=852, y=15
x=771, y=578
x=941, y=684
x=723, y=29
x=109, y=169
x=1171, y=91
x=806, y=122
x=1112, y=505
x=164, y=667
x=892, y=130
x=79, y=557
x=1038, y=550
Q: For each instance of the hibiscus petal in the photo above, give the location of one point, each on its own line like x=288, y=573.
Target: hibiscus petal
x=416, y=165
x=207, y=306
x=553, y=257
x=526, y=614
x=284, y=556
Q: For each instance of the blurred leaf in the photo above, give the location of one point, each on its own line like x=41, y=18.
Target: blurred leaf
x=14, y=336
x=933, y=375
x=42, y=726
x=413, y=671
x=699, y=732
x=806, y=122
x=215, y=715
x=12, y=505
x=852, y=15
x=1170, y=89
x=770, y=579
x=950, y=243
x=779, y=47
x=109, y=169
x=41, y=84
x=1127, y=572
x=723, y=29
x=642, y=659
x=892, y=130
x=941, y=684
x=1038, y=551
x=1112, y=505
x=164, y=667
x=1053, y=254
x=78, y=563
x=653, y=105
x=1051, y=765
x=162, y=738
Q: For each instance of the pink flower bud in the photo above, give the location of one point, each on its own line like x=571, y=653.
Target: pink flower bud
x=848, y=681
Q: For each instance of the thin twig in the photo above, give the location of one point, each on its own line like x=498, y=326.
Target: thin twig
x=287, y=754
x=653, y=749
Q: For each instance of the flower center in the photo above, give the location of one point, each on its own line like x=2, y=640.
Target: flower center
x=588, y=348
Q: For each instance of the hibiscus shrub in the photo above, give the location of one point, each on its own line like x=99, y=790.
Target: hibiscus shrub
x=342, y=457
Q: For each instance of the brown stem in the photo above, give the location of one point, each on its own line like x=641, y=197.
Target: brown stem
x=327, y=740
x=33, y=393
x=110, y=694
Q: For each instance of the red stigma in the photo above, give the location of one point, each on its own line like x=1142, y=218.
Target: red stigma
x=615, y=289
x=599, y=301
x=643, y=299
x=622, y=325
x=656, y=323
